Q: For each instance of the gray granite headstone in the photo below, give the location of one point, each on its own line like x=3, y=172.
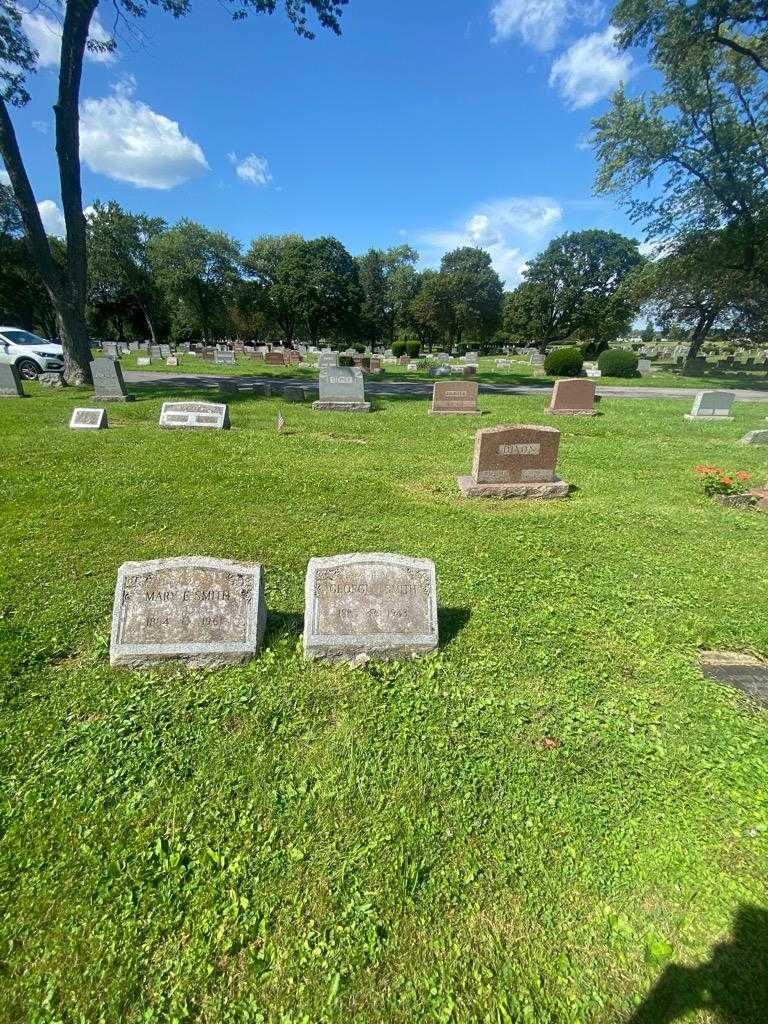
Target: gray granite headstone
x=226, y=358
x=194, y=415
x=342, y=390
x=50, y=379
x=89, y=419
x=155, y=352
x=712, y=405
x=376, y=606
x=755, y=437
x=143, y=360
x=108, y=383
x=327, y=360
x=10, y=382
x=205, y=611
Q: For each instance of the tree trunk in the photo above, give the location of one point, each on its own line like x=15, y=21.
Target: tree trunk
x=66, y=287
x=698, y=336
x=150, y=325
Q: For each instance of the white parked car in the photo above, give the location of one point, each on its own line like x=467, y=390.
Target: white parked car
x=31, y=355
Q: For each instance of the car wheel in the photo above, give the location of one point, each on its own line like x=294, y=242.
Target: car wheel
x=28, y=369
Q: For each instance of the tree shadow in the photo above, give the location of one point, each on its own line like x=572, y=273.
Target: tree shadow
x=290, y=624
x=732, y=985
x=450, y=622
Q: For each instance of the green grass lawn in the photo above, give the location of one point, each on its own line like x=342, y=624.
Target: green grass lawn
x=664, y=375
x=541, y=823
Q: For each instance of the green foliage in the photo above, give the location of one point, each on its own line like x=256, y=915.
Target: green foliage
x=413, y=348
x=573, y=290
x=449, y=840
x=566, y=361
x=346, y=361
x=615, y=362
x=399, y=348
x=389, y=282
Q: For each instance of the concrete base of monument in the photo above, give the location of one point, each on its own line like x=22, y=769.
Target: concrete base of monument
x=570, y=412
x=370, y=649
x=708, y=419
x=342, y=406
x=537, y=491
x=115, y=398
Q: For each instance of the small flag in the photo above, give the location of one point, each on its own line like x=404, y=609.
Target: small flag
x=280, y=423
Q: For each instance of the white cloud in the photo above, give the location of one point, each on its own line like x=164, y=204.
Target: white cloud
x=590, y=69
x=539, y=23
x=252, y=168
x=44, y=33
x=52, y=218
x=128, y=141
x=506, y=228
x=5, y=178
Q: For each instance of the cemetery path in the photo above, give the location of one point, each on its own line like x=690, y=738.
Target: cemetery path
x=185, y=381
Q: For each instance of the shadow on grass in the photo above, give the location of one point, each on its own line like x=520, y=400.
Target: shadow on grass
x=732, y=985
x=289, y=624
x=450, y=623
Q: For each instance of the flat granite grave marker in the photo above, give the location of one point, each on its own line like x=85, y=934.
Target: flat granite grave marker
x=755, y=437
x=195, y=415
x=450, y=398
x=89, y=419
x=205, y=611
x=372, y=606
x=342, y=390
x=108, y=383
x=712, y=405
x=573, y=397
x=10, y=382
x=514, y=462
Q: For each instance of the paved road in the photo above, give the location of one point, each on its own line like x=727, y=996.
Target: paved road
x=181, y=381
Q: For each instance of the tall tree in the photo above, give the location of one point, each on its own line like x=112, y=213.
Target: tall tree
x=476, y=293
x=198, y=268
x=430, y=312
x=571, y=290
x=698, y=145
x=274, y=292
x=119, y=270
x=24, y=301
x=388, y=280
x=67, y=285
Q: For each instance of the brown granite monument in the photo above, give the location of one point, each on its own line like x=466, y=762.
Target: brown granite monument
x=514, y=462
x=573, y=397
x=454, y=398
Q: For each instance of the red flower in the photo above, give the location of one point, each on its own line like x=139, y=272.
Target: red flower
x=742, y=476
x=727, y=480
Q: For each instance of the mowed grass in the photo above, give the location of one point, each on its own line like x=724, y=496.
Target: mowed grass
x=543, y=822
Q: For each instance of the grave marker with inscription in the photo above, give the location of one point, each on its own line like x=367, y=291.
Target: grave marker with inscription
x=755, y=437
x=375, y=606
x=451, y=398
x=712, y=405
x=205, y=611
x=573, y=397
x=514, y=462
x=108, y=383
x=225, y=358
x=195, y=415
x=342, y=390
x=10, y=382
x=275, y=358
x=89, y=419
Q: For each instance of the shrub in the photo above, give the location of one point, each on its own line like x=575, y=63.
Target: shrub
x=564, y=362
x=346, y=361
x=717, y=481
x=614, y=362
x=413, y=349
x=398, y=348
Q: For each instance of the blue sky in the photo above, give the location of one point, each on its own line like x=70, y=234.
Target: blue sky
x=453, y=122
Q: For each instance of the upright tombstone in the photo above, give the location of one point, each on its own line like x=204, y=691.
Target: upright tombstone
x=712, y=405
x=454, y=398
x=369, y=606
x=644, y=367
x=10, y=382
x=342, y=390
x=172, y=361
x=274, y=358
x=143, y=360
x=514, y=462
x=226, y=357
x=194, y=416
x=205, y=611
x=165, y=351
x=155, y=352
x=108, y=383
x=327, y=360
x=573, y=397
x=89, y=419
